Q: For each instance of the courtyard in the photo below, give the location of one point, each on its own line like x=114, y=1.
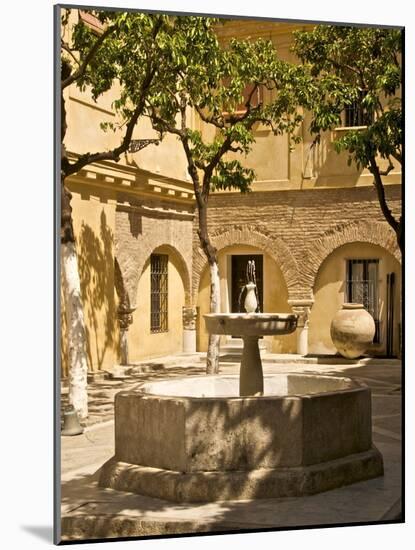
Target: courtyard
x=235, y=367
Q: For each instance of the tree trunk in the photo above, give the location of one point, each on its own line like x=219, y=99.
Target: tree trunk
x=78, y=395
x=400, y=235
x=76, y=334
x=396, y=225
x=212, y=359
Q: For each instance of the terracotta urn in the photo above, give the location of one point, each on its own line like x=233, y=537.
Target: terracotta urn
x=352, y=330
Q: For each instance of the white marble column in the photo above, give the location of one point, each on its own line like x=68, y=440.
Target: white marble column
x=125, y=318
x=189, y=314
x=302, y=309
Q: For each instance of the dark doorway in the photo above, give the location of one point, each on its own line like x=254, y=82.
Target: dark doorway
x=238, y=280
x=390, y=299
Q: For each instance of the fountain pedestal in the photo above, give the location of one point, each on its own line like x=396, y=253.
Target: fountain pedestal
x=251, y=378
x=250, y=326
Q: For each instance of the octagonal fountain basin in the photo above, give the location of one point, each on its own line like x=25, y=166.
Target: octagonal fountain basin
x=197, y=440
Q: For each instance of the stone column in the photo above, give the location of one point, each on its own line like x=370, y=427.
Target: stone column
x=125, y=318
x=189, y=314
x=302, y=309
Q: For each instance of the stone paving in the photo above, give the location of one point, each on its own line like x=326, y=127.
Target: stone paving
x=101, y=392
x=90, y=512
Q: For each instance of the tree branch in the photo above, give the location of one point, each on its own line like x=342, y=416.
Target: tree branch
x=209, y=119
x=174, y=96
x=213, y=163
x=388, y=169
x=192, y=169
x=182, y=107
x=377, y=181
x=397, y=155
x=249, y=109
x=343, y=66
x=236, y=149
x=89, y=56
x=248, y=101
x=67, y=49
x=162, y=122
x=88, y=158
x=115, y=153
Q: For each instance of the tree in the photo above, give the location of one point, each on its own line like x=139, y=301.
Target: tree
x=358, y=67
x=214, y=80
x=124, y=52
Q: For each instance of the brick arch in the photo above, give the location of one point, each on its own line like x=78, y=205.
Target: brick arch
x=132, y=267
x=377, y=233
x=259, y=238
x=183, y=269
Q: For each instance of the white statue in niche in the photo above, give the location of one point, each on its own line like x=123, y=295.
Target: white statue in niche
x=251, y=298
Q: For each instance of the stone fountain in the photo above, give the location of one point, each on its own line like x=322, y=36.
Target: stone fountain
x=230, y=437
x=250, y=326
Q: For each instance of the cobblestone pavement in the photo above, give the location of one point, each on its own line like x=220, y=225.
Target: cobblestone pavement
x=101, y=392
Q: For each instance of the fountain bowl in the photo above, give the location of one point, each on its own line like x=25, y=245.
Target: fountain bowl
x=196, y=440
x=250, y=324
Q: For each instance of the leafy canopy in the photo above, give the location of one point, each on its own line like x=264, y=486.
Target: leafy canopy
x=163, y=66
x=223, y=84
x=355, y=65
x=126, y=56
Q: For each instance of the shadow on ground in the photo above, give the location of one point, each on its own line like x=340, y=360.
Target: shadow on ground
x=42, y=532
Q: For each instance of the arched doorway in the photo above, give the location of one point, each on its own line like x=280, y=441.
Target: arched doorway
x=273, y=292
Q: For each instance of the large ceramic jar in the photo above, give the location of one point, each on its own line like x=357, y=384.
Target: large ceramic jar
x=352, y=330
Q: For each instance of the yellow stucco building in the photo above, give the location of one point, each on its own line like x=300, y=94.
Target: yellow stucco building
x=312, y=224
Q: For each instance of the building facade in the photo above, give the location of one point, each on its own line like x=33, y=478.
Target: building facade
x=312, y=224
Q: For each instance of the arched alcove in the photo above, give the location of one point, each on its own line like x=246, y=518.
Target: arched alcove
x=144, y=340
x=331, y=290
x=131, y=267
x=371, y=232
x=257, y=237
x=274, y=293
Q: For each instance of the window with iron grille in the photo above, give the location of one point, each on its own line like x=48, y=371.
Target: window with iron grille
x=159, y=292
x=362, y=288
x=355, y=114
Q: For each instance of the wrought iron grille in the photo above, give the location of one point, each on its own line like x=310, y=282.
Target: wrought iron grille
x=362, y=288
x=159, y=292
x=356, y=115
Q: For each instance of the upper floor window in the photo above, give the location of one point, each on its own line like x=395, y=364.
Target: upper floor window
x=91, y=21
x=159, y=292
x=355, y=113
x=362, y=287
x=256, y=97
